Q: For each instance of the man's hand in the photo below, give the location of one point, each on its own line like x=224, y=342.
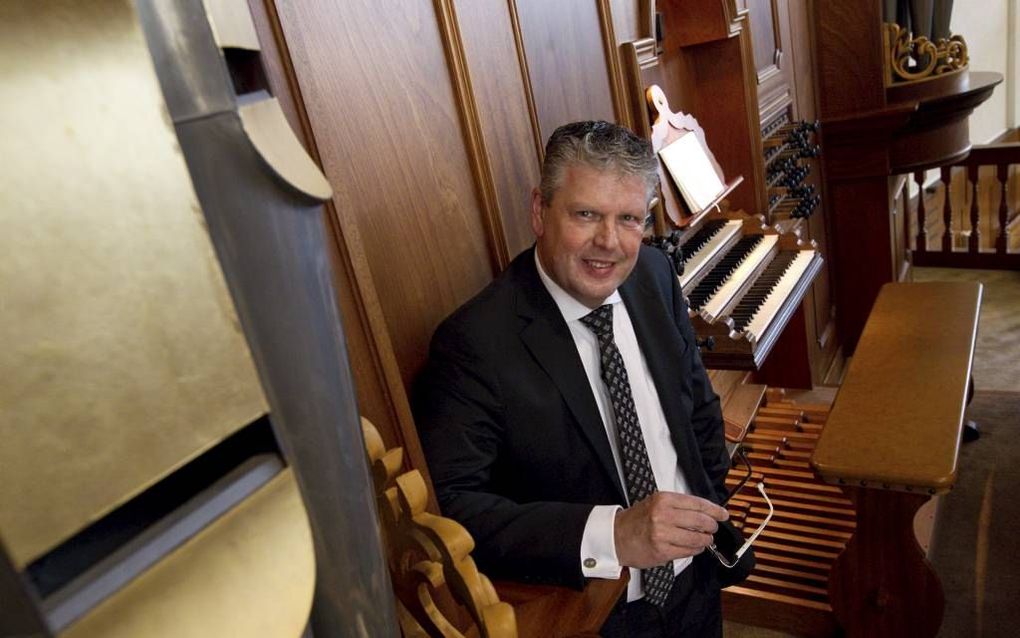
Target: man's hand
x=663, y=527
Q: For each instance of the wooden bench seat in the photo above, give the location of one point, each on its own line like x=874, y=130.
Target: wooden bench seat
x=892, y=438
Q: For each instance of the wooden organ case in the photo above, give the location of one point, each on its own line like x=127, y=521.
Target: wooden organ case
x=736, y=66
x=752, y=97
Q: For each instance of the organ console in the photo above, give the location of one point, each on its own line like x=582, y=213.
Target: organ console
x=742, y=278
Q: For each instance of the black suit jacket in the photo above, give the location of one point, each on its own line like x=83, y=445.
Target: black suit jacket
x=513, y=437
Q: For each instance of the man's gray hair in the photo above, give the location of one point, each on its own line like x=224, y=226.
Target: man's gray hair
x=600, y=145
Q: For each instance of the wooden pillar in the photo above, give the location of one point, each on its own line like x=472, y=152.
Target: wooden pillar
x=862, y=258
x=883, y=584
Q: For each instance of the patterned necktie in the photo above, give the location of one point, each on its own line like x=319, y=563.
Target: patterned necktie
x=637, y=469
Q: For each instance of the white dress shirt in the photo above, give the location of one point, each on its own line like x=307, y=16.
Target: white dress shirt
x=598, y=547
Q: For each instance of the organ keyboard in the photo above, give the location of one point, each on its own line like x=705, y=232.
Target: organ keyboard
x=705, y=245
x=746, y=299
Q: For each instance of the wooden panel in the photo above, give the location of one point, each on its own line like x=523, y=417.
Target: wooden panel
x=764, y=33
x=627, y=22
x=884, y=562
x=500, y=93
x=863, y=239
x=850, y=63
x=770, y=34
x=725, y=104
x=570, y=77
x=391, y=143
x=819, y=304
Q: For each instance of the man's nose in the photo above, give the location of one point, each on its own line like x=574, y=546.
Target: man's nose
x=607, y=234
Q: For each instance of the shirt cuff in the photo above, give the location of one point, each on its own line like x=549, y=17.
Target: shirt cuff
x=598, y=544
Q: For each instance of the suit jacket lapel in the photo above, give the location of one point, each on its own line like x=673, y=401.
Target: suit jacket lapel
x=664, y=349
x=546, y=336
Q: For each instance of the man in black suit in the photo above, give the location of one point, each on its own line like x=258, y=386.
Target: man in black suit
x=566, y=416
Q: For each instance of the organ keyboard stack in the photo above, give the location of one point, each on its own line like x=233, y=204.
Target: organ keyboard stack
x=743, y=279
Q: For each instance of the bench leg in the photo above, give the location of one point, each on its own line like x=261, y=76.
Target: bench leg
x=882, y=585
x=970, y=427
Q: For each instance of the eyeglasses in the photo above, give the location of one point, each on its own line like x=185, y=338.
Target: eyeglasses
x=731, y=561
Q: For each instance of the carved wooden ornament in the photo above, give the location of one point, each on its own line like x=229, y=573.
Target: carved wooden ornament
x=427, y=552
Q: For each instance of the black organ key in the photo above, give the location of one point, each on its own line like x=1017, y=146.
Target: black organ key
x=702, y=237
x=722, y=270
x=748, y=306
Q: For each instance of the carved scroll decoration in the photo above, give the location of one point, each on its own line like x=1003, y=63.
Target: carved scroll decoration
x=428, y=552
x=912, y=59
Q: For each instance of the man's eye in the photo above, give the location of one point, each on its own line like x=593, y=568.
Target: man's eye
x=585, y=214
x=632, y=222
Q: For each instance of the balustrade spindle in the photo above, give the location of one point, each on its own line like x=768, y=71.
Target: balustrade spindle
x=1002, y=176
x=921, y=241
x=947, y=210
x=974, y=245
x=991, y=237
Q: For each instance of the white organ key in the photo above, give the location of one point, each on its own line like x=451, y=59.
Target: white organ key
x=718, y=303
x=768, y=309
x=696, y=262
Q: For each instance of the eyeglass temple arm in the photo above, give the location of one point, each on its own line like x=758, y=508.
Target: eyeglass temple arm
x=740, y=454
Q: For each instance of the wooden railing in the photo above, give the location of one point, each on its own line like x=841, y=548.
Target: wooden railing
x=970, y=219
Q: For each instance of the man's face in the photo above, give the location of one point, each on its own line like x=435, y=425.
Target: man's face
x=590, y=233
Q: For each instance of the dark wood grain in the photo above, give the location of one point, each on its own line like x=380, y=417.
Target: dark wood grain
x=862, y=257
x=545, y=611
x=389, y=135
x=819, y=312
x=789, y=365
x=848, y=50
x=380, y=388
x=883, y=585
x=500, y=92
x=769, y=24
x=570, y=76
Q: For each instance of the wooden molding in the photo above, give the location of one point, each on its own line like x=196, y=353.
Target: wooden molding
x=616, y=84
x=529, y=91
x=474, y=141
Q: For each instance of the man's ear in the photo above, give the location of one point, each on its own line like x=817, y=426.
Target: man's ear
x=537, y=222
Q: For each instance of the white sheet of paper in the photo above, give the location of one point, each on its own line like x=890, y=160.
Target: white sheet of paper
x=692, y=171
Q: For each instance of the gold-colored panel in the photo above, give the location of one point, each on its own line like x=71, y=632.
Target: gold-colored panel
x=251, y=573
x=121, y=356
x=267, y=128
x=232, y=24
